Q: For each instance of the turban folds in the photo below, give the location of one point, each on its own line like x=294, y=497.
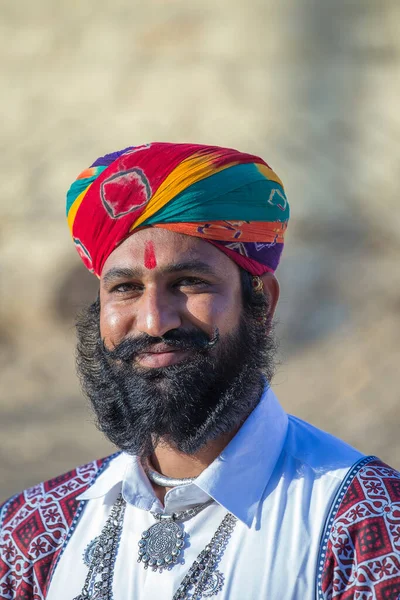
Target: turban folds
x=231, y=199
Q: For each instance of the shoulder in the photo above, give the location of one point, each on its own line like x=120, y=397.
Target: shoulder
x=361, y=550
x=57, y=490
x=34, y=525
x=318, y=450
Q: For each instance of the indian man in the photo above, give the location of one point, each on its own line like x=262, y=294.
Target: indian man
x=214, y=490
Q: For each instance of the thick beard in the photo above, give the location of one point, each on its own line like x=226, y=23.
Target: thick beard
x=185, y=405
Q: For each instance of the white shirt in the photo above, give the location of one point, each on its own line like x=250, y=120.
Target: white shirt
x=278, y=476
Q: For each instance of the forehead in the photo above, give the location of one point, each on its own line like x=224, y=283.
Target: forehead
x=169, y=248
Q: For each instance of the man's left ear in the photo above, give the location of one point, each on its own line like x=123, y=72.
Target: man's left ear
x=271, y=288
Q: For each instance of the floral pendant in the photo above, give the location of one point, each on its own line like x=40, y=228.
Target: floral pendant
x=161, y=545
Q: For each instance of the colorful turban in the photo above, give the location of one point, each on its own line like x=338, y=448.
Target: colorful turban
x=231, y=199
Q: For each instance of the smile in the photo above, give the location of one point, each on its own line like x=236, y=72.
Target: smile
x=158, y=359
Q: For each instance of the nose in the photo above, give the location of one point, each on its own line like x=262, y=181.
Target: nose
x=156, y=314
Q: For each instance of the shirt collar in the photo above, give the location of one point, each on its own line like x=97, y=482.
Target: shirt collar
x=236, y=479
x=239, y=475
x=109, y=479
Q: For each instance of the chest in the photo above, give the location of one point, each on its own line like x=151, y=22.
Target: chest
x=275, y=558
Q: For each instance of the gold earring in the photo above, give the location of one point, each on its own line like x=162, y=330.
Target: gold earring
x=257, y=284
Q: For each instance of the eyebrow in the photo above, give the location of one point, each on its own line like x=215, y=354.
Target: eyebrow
x=137, y=272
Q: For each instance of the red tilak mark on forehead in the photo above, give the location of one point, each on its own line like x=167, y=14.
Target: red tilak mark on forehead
x=150, y=261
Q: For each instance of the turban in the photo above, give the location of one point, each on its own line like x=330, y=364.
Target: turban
x=231, y=199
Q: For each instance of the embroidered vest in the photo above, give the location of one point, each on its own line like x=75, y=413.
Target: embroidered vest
x=35, y=526
x=360, y=548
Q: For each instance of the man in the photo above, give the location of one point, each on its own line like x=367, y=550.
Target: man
x=215, y=491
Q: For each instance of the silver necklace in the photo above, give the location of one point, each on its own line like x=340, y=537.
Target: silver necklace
x=164, y=480
x=203, y=575
x=161, y=544
x=202, y=580
x=98, y=583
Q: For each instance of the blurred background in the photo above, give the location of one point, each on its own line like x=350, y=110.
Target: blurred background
x=312, y=86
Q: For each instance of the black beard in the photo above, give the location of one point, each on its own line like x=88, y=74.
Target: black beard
x=186, y=405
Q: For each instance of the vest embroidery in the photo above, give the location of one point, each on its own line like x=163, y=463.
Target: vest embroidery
x=35, y=527
x=360, y=553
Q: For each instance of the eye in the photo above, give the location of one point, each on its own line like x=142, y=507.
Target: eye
x=191, y=282
x=123, y=288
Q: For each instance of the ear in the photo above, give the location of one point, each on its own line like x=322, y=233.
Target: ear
x=271, y=289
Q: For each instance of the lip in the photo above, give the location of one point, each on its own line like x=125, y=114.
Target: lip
x=161, y=358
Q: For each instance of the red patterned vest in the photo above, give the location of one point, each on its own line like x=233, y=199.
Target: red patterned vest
x=360, y=548
x=34, y=528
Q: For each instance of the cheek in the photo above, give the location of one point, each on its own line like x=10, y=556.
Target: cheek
x=114, y=325
x=215, y=311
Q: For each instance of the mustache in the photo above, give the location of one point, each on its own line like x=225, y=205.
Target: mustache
x=178, y=339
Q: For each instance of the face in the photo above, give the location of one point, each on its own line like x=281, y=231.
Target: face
x=174, y=349
x=159, y=281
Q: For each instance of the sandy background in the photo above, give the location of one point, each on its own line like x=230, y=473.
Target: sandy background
x=311, y=86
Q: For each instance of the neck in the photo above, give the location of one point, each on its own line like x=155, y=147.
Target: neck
x=171, y=462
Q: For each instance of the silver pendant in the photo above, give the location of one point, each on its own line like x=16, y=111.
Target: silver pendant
x=89, y=552
x=213, y=584
x=161, y=545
